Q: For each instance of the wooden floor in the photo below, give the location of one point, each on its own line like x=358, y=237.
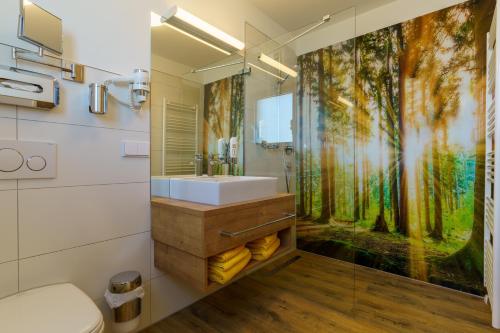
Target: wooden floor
x=316, y=294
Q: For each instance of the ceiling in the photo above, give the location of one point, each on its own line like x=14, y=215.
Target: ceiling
x=294, y=14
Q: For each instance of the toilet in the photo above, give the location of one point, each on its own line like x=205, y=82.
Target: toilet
x=60, y=308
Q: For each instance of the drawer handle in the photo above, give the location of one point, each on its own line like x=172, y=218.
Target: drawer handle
x=244, y=231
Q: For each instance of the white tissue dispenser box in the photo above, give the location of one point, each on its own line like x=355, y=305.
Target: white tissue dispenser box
x=29, y=89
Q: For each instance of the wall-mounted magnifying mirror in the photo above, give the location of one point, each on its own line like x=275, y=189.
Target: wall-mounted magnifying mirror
x=40, y=27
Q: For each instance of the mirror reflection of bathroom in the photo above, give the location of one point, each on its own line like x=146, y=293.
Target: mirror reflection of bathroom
x=217, y=112
x=186, y=126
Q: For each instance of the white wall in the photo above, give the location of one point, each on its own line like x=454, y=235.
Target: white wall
x=93, y=220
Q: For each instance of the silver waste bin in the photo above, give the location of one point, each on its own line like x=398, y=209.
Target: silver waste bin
x=125, y=283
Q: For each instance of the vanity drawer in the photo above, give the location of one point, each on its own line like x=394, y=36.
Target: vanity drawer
x=226, y=231
x=205, y=230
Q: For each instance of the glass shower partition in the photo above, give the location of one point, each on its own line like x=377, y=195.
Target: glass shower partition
x=301, y=127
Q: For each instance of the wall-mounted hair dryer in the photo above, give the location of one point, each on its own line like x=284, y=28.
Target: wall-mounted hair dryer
x=138, y=94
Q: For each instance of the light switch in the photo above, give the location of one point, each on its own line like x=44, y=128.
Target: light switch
x=135, y=148
x=143, y=148
x=129, y=148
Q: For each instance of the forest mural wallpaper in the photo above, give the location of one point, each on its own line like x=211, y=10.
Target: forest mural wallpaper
x=390, y=148
x=223, y=117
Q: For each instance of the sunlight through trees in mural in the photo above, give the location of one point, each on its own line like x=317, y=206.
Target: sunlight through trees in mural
x=390, y=147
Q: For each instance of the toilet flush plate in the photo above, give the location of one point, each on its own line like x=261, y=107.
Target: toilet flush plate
x=27, y=159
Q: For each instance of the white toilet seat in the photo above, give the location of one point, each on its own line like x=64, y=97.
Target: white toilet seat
x=61, y=308
x=99, y=329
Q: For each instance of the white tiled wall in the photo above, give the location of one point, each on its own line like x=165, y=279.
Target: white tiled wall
x=81, y=215
x=8, y=276
x=89, y=266
x=8, y=223
x=93, y=220
x=88, y=155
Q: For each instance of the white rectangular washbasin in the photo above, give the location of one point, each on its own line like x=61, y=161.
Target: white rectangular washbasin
x=221, y=190
x=160, y=185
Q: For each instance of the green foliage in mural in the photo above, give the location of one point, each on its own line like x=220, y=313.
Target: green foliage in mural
x=390, y=147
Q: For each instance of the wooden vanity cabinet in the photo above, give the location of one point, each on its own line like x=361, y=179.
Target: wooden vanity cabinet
x=186, y=234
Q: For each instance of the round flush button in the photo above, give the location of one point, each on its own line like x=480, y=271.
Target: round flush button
x=36, y=163
x=10, y=160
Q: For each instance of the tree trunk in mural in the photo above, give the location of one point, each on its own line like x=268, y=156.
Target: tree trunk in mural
x=344, y=182
x=480, y=9
x=366, y=185
x=403, y=177
x=425, y=165
x=356, y=192
x=363, y=133
x=393, y=138
x=310, y=166
x=393, y=179
x=357, y=139
x=331, y=162
x=300, y=141
x=331, y=146
x=470, y=257
x=322, y=137
x=427, y=213
x=380, y=223
x=419, y=194
x=437, y=232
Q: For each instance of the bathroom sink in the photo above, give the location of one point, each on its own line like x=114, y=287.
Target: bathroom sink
x=160, y=185
x=221, y=190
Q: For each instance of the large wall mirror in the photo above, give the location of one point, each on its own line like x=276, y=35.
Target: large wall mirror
x=194, y=94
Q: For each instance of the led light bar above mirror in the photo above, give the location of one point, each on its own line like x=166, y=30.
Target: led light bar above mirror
x=194, y=27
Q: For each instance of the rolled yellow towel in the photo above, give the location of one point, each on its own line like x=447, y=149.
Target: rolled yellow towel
x=216, y=275
x=225, y=256
x=260, y=255
x=260, y=247
x=227, y=265
x=266, y=250
x=264, y=242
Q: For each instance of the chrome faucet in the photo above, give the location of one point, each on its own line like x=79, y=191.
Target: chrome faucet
x=198, y=164
x=210, y=165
